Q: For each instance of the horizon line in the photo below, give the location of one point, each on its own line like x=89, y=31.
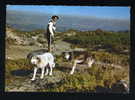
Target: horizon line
x=110, y=18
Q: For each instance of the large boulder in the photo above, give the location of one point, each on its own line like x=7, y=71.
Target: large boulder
x=38, y=85
x=120, y=86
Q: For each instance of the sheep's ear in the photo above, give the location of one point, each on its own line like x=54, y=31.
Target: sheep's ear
x=63, y=54
x=38, y=59
x=93, y=56
x=32, y=57
x=70, y=53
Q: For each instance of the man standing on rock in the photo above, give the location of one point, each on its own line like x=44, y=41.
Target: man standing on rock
x=51, y=27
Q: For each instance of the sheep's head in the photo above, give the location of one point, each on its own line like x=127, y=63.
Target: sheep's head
x=67, y=55
x=35, y=60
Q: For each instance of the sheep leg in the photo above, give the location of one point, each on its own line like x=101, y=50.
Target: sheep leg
x=74, y=65
x=51, y=65
x=42, y=73
x=73, y=68
x=46, y=73
x=90, y=62
x=34, y=75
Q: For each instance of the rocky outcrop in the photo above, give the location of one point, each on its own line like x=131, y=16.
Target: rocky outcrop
x=15, y=39
x=121, y=86
x=26, y=85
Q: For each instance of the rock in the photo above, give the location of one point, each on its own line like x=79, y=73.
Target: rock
x=79, y=49
x=9, y=58
x=38, y=44
x=71, y=34
x=48, y=81
x=120, y=87
x=26, y=85
x=34, y=37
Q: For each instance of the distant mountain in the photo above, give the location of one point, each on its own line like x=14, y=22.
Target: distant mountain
x=28, y=21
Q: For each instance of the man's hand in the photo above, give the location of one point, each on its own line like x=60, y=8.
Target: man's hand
x=54, y=28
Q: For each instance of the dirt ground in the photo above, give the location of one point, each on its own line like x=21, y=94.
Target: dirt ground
x=21, y=52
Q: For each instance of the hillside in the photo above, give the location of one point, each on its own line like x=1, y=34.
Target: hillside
x=26, y=42
x=18, y=70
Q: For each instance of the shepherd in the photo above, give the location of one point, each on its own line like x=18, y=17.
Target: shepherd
x=51, y=28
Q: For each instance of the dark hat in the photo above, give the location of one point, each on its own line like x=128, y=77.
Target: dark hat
x=54, y=17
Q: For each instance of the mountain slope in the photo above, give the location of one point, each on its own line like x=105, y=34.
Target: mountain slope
x=28, y=21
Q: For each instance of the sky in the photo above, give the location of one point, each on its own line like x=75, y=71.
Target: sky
x=116, y=12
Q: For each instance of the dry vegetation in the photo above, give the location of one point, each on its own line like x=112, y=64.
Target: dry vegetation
x=85, y=80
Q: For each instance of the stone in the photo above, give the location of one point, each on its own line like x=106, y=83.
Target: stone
x=26, y=85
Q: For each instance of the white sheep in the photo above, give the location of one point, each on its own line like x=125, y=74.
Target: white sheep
x=45, y=60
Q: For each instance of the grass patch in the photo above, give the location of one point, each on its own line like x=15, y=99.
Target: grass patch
x=11, y=65
x=114, y=41
x=111, y=58
x=79, y=82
